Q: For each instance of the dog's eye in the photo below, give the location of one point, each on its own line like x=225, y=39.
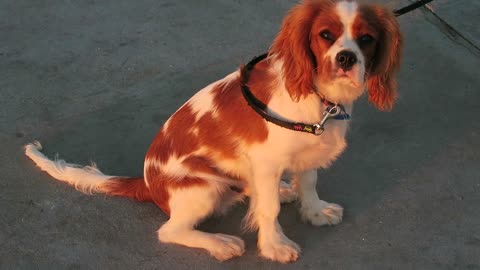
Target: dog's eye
x=327, y=35
x=365, y=39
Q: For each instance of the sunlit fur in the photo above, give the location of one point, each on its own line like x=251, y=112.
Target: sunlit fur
x=215, y=150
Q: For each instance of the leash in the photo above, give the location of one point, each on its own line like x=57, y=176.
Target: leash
x=333, y=110
x=399, y=12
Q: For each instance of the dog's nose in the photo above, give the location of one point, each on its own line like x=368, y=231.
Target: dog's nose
x=346, y=59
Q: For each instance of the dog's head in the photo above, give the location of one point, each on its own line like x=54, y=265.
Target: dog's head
x=332, y=45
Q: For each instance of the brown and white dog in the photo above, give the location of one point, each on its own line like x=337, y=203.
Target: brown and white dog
x=215, y=149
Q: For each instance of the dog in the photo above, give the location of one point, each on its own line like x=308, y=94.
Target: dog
x=219, y=148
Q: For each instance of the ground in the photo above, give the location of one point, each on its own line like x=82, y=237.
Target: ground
x=94, y=80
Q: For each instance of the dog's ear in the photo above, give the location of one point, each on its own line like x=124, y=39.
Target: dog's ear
x=381, y=84
x=292, y=46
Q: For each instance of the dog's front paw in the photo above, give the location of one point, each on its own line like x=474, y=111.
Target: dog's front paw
x=284, y=250
x=226, y=247
x=322, y=213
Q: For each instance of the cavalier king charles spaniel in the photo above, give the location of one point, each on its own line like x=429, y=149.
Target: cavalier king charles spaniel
x=215, y=150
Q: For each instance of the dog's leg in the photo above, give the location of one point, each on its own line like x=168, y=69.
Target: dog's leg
x=188, y=207
x=313, y=209
x=265, y=206
x=287, y=194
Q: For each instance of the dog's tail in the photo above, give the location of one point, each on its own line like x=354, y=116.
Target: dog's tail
x=88, y=179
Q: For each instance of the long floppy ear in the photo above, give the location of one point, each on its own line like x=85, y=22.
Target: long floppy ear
x=292, y=46
x=381, y=84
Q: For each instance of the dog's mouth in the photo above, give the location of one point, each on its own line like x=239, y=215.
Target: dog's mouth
x=342, y=73
x=351, y=77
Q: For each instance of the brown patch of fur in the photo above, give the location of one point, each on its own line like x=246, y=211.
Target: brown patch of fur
x=385, y=62
x=220, y=130
x=328, y=20
x=133, y=188
x=178, y=139
x=161, y=184
x=201, y=164
x=235, y=118
x=214, y=134
x=158, y=185
x=362, y=25
x=298, y=45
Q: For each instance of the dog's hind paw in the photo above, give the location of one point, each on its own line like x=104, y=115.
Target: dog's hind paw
x=287, y=194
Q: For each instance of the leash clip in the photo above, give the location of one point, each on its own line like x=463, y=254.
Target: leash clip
x=330, y=112
x=318, y=129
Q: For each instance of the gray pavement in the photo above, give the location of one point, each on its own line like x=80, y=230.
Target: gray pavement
x=94, y=80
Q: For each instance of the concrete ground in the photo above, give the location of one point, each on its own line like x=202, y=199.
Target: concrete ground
x=94, y=80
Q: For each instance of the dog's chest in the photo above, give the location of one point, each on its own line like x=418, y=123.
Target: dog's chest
x=319, y=151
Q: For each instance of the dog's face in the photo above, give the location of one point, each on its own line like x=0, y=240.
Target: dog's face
x=344, y=43
x=331, y=45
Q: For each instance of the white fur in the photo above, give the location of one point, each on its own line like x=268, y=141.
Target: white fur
x=174, y=167
x=313, y=209
x=202, y=101
x=188, y=207
x=347, y=11
x=86, y=179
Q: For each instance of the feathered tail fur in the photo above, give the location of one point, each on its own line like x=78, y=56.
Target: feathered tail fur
x=88, y=179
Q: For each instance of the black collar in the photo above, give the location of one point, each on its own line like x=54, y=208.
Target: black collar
x=333, y=110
